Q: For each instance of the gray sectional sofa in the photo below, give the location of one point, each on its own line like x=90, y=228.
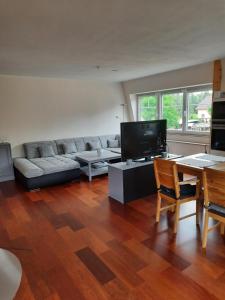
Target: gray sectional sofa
x=53, y=162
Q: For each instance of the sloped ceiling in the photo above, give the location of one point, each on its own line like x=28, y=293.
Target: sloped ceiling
x=108, y=39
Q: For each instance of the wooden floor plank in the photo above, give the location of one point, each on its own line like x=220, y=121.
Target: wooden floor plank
x=76, y=243
x=174, y=259
x=135, y=262
x=121, y=269
x=151, y=258
x=100, y=270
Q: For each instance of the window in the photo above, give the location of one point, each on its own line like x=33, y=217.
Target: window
x=148, y=107
x=199, y=110
x=186, y=109
x=172, y=110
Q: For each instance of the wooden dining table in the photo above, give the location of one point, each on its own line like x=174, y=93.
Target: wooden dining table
x=194, y=165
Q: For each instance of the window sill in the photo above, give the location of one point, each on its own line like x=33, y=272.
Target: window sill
x=191, y=133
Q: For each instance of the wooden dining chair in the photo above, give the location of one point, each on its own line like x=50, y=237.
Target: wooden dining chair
x=214, y=201
x=173, y=191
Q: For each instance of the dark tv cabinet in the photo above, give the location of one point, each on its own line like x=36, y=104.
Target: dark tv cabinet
x=6, y=164
x=130, y=182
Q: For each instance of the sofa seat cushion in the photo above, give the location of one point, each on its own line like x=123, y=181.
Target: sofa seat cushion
x=70, y=155
x=27, y=168
x=55, y=164
x=116, y=150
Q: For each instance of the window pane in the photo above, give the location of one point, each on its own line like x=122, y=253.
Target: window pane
x=199, y=110
x=148, y=108
x=172, y=106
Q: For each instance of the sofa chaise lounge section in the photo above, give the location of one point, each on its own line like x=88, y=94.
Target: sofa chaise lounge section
x=54, y=162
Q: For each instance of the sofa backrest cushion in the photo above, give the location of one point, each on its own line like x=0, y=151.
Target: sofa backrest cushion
x=65, y=145
x=94, y=145
x=117, y=137
x=80, y=144
x=104, y=139
x=92, y=141
x=113, y=143
x=69, y=148
x=32, y=149
x=46, y=150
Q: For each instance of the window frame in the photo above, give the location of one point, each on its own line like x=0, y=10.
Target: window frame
x=185, y=92
x=154, y=94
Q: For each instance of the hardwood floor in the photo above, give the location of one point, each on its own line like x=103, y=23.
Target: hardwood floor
x=75, y=243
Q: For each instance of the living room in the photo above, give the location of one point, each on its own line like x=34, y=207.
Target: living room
x=76, y=222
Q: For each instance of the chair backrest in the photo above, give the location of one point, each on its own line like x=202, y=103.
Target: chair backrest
x=214, y=186
x=166, y=174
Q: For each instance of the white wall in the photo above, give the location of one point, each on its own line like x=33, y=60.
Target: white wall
x=195, y=75
x=33, y=109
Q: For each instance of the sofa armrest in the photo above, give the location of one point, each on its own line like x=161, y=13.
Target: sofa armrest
x=27, y=168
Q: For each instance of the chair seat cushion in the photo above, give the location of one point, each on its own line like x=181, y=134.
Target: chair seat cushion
x=217, y=209
x=186, y=190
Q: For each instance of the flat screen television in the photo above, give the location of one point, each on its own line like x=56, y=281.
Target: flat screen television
x=143, y=139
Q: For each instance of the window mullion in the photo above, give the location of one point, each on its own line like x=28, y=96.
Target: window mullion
x=138, y=108
x=159, y=96
x=185, y=109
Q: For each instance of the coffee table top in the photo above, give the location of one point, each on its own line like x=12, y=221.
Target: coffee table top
x=92, y=156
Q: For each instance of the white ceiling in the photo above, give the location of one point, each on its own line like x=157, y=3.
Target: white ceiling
x=69, y=38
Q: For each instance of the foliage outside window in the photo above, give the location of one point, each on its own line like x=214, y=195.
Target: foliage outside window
x=148, y=108
x=172, y=110
x=187, y=109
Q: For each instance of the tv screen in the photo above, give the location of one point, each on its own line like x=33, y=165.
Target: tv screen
x=143, y=139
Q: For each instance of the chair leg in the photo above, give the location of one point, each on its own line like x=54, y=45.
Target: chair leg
x=158, y=208
x=205, y=229
x=197, y=211
x=173, y=209
x=177, y=215
x=222, y=228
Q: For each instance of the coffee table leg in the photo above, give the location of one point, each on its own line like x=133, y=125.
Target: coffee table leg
x=89, y=172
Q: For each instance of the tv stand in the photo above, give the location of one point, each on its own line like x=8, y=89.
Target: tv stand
x=140, y=160
x=130, y=182
x=148, y=158
x=145, y=159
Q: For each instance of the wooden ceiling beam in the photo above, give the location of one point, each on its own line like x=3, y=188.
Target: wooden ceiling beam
x=217, y=75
